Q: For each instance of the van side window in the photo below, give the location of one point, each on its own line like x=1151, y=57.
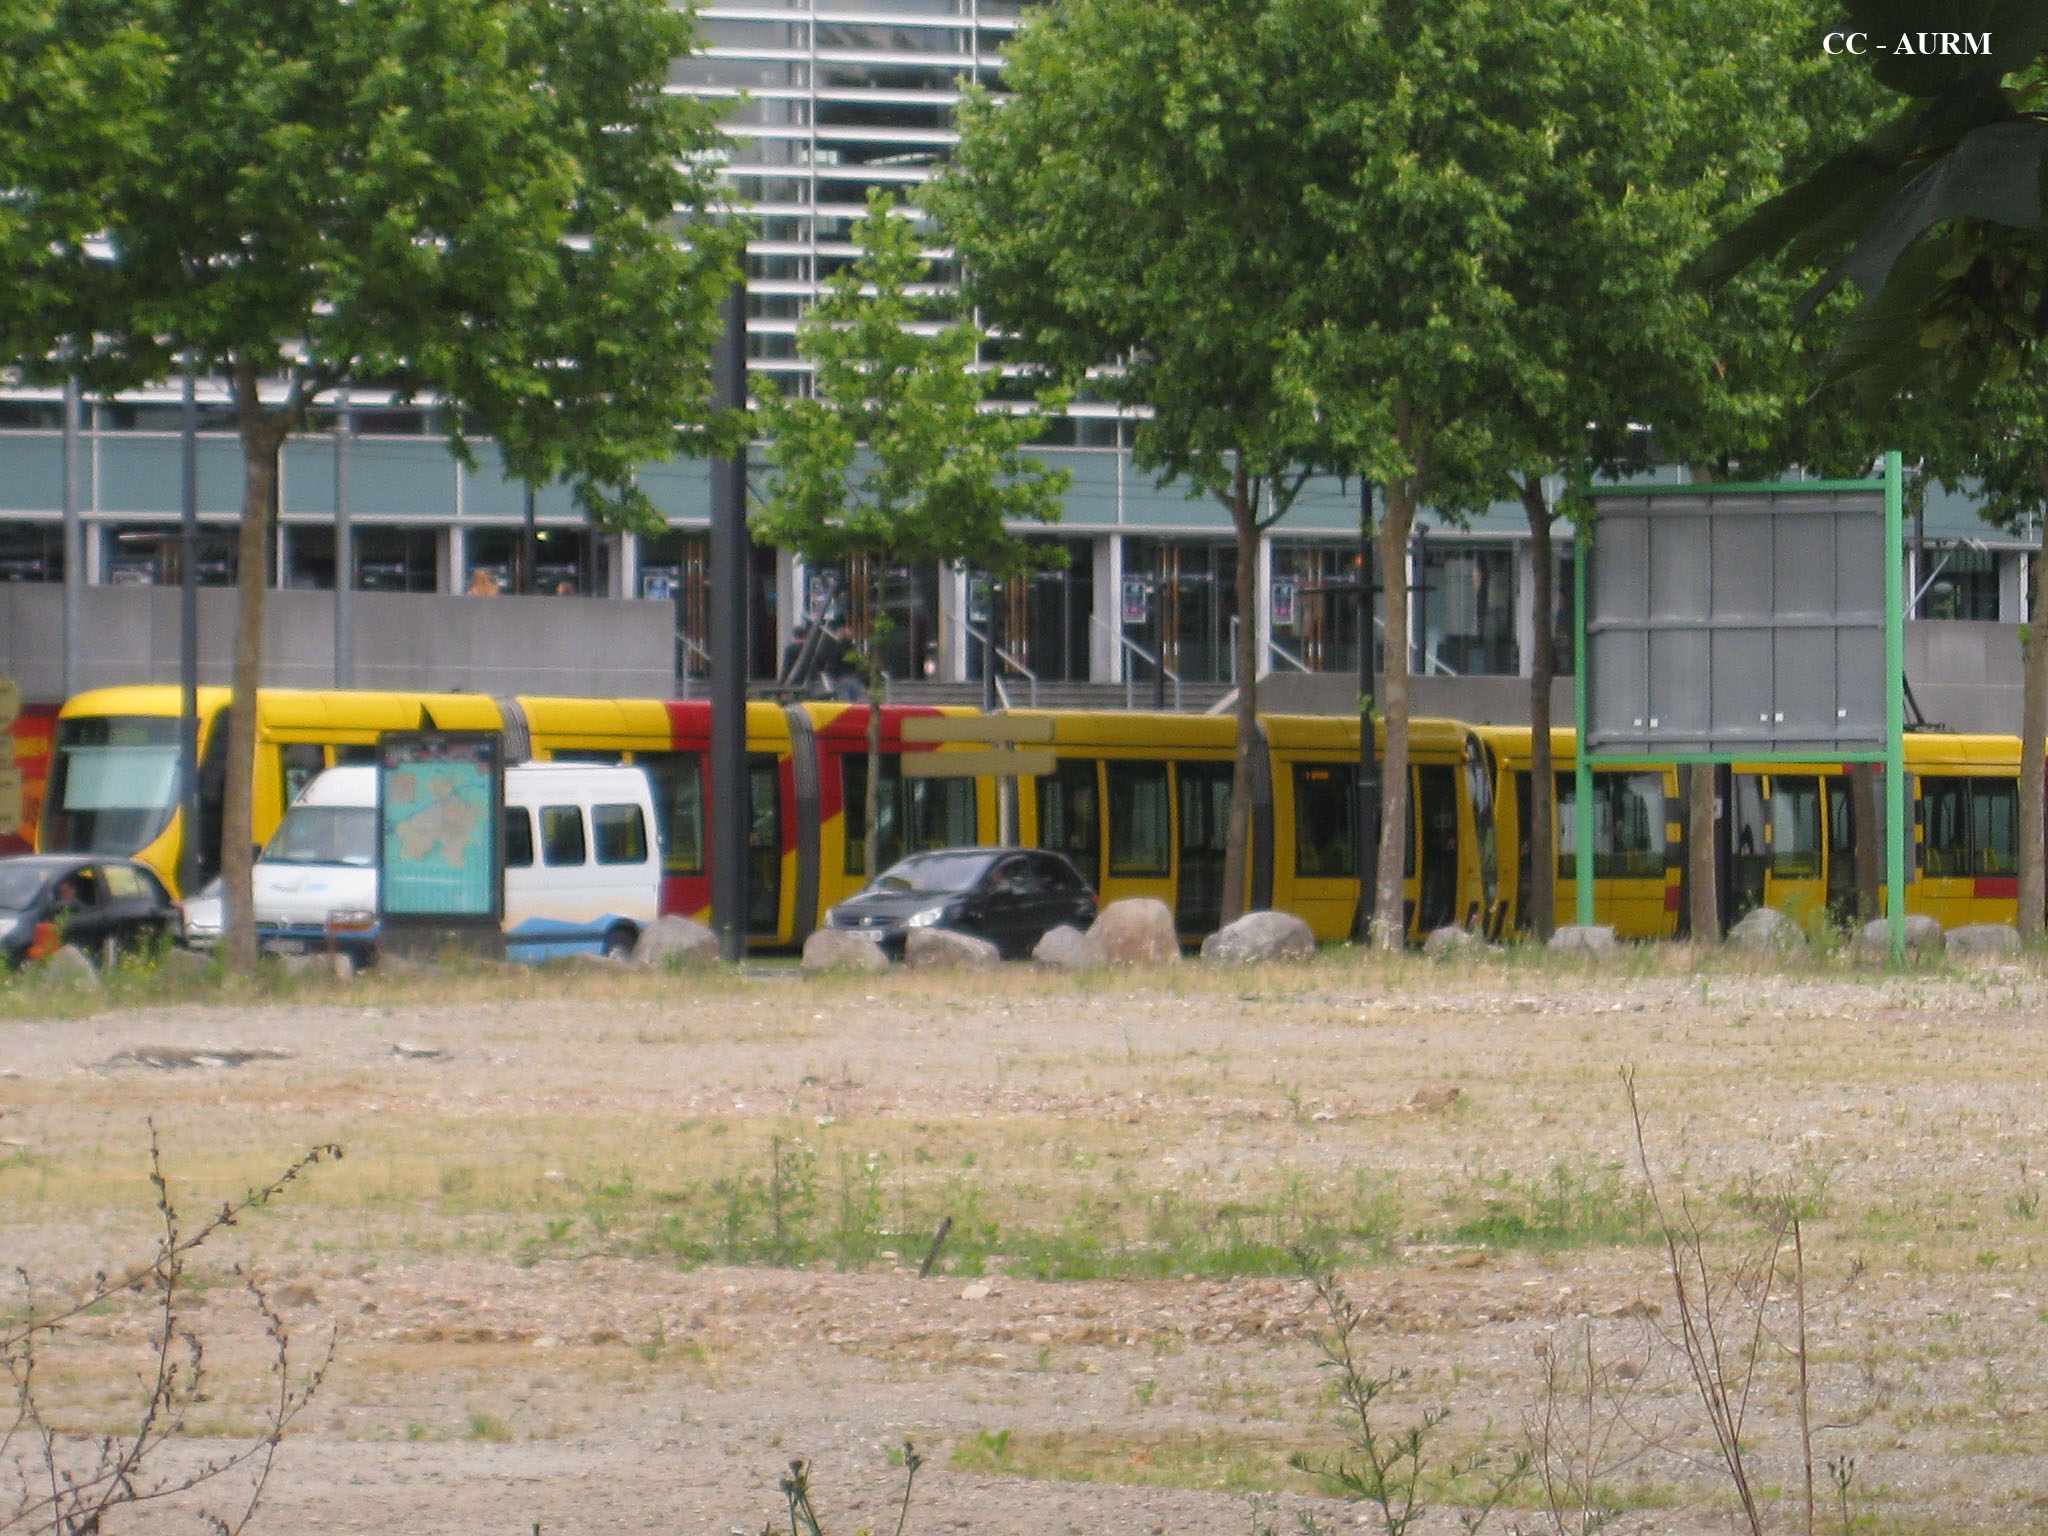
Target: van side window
x=620, y=833
x=518, y=837
x=561, y=834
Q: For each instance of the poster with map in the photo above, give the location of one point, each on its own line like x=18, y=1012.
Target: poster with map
x=439, y=799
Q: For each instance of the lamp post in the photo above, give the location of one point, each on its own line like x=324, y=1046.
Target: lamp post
x=732, y=819
x=344, y=551
x=188, y=631
x=73, y=546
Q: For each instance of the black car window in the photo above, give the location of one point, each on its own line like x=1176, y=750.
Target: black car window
x=152, y=887
x=1057, y=876
x=1025, y=877
x=123, y=882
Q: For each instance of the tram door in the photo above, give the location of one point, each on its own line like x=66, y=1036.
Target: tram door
x=1204, y=827
x=1749, y=848
x=1436, y=803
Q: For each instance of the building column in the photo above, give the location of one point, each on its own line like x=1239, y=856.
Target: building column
x=954, y=645
x=453, y=556
x=626, y=566
x=1529, y=587
x=2012, y=587
x=1105, y=655
x=1262, y=609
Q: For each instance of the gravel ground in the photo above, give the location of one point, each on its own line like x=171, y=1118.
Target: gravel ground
x=515, y=1347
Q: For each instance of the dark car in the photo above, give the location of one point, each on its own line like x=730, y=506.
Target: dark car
x=1009, y=896
x=99, y=905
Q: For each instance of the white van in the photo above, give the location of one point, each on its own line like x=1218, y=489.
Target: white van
x=582, y=872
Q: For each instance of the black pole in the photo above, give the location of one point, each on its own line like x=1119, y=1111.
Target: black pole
x=188, y=637
x=1368, y=811
x=74, y=546
x=344, y=553
x=731, y=816
x=527, y=578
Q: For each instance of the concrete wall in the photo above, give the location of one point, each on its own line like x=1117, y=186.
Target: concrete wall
x=1966, y=677
x=580, y=646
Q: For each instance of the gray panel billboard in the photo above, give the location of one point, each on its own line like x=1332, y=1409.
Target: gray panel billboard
x=1725, y=624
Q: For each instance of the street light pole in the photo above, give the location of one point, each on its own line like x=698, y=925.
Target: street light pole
x=188, y=634
x=732, y=816
x=74, y=547
x=344, y=552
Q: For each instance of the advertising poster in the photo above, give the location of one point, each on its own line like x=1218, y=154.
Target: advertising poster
x=439, y=799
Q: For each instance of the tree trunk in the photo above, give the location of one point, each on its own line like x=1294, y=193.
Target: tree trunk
x=1541, y=918
x=1238, y=836
x=1390, y=918
x=2034, y=748
x=260, y=437
x=1705, y=909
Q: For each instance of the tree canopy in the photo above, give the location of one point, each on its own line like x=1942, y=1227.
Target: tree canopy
x=475, y=201
x=892, y=458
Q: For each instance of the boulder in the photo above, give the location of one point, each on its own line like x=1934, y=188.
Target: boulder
x=1069, y=949
x=675, y=944
x=69, y=966
x=1137, y=931
x=1923, y=935
x=1767, y=929
x=1448, y=942
x=1984, y=939
x=941, y=949
x=1260, y=938
x=841, y=949
x=318, y=966
x=1572, y=939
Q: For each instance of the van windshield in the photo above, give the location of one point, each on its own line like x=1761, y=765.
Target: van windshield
x=325, y=834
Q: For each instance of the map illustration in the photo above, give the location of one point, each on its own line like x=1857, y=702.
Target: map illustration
x=438, y=816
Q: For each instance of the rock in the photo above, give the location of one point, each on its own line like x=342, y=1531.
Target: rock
x=1576, y=940
x=675, y=944
x=405, y=1050
x=1445, y=943
x=941, y=949
x=1069, y=949
x=1436, y=1098
x=318, y=967
x=69, y=967
x=1923, y=934
x=840, y=949
x=1984, y=939
x=1260, y=938
x=1766, y=928
x=1137, y=931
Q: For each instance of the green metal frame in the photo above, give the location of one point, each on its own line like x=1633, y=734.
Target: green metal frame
x=1894, y=754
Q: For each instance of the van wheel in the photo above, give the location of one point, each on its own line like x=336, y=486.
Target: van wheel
x=618, y=944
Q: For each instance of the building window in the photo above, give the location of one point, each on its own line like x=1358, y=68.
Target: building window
x=390, y=559
x=1467, y=622
x=309, y=557
x=151, y=555
x=1958, y=582
x=31, y=551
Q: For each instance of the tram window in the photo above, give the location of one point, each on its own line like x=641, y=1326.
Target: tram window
x=1070, y=815
x=620, y=834
x=1795, y=827
x=678, y=781
x=518, y=837
x=1945, y=811
x=561, y=834
x=357, y=752
x=1325, y=833
x=917, y=814
x=300, y=762
x=1628, y=826
x=585, y=755
x=1994, y=827
x=1140, y=821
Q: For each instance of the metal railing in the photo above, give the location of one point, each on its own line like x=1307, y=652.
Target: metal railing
x=690, y=648
x=1273, y=648
x=1009, y=659
x=1130, y=684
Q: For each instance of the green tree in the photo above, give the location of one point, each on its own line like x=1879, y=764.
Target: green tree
x=892, y=458
x=471, y=201
x=1130, y=213
x=1935, y=216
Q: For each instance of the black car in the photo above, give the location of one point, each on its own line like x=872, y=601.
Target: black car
x=99, y=905
x=1009, y=896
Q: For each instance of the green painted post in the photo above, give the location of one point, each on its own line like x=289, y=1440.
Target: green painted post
x=1895, y=705
x=1582, y=811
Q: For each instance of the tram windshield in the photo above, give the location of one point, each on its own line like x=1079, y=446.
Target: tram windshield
x=113, y=784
